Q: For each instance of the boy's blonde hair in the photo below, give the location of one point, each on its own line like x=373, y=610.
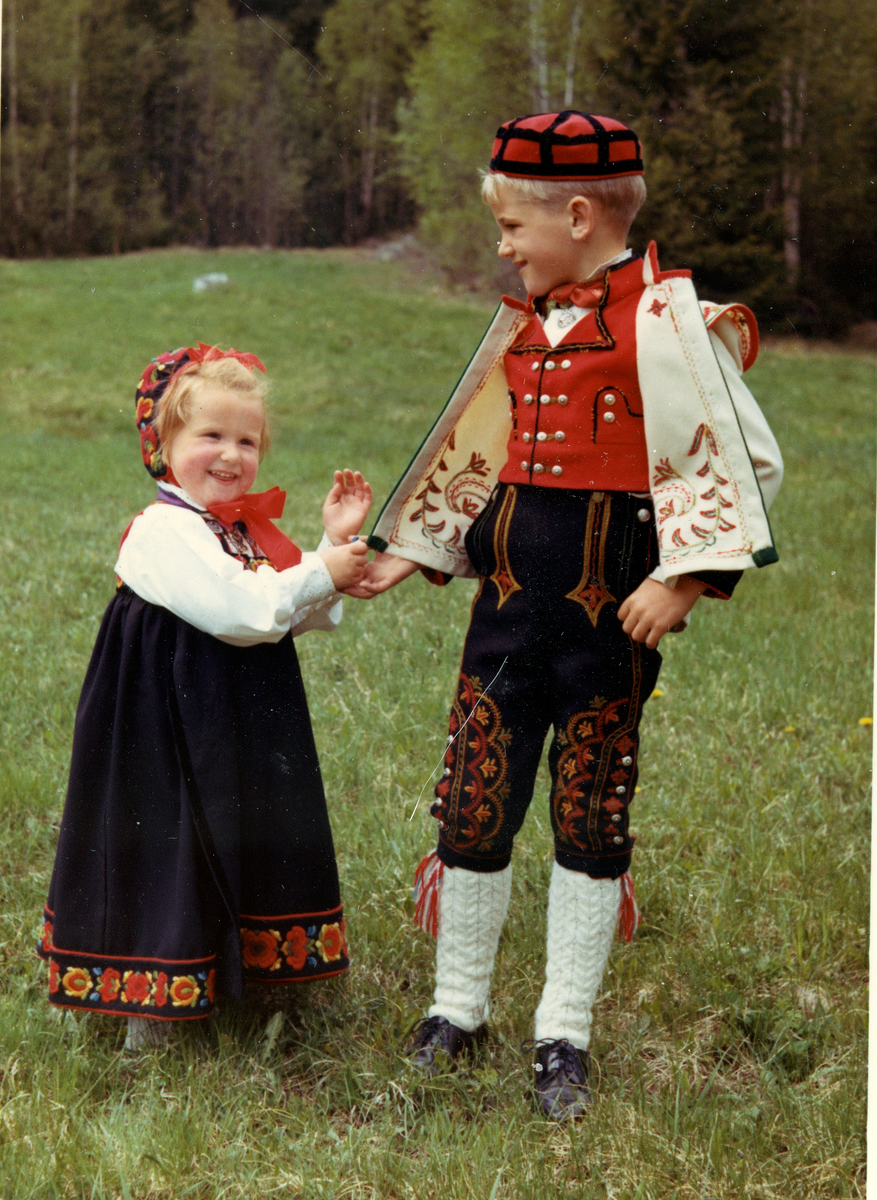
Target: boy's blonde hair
x=225, y=373
x=620, y=198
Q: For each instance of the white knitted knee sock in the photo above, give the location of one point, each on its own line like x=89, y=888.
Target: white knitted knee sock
x=472, y=909
x=582, y=915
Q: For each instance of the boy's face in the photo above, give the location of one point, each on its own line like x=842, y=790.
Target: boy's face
x=215, y=455
x=538, y=239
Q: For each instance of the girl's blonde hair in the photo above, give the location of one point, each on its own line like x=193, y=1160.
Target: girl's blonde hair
x=620, y=198
x=225, y=373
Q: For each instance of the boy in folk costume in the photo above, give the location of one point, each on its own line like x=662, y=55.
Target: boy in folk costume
x=600, y=466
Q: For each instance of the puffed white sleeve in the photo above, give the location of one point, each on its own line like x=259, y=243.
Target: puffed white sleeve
x=171, y=558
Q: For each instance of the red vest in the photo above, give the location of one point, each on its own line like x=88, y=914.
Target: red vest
x=576, y=408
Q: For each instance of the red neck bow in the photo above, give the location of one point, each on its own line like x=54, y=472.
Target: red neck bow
x=582, y=295
x=256, y=510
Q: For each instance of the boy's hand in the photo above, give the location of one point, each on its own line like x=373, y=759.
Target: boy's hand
x=382, y=573
x=653, y=609
x=346, y=564
x=346, y=506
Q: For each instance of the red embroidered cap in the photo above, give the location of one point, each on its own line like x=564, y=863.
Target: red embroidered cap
x=566, y=145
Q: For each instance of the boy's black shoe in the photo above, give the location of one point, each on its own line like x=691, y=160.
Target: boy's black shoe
x=561, y=1080
x=434, y=1039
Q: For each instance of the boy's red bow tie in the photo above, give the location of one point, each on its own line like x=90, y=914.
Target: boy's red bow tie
x=256, y=510
x=582, y=295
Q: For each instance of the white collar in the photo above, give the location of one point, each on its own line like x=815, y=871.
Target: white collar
x=175, y=490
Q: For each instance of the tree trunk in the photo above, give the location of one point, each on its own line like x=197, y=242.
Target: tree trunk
x=575, y=31
x=12, y=129
x=539, y=56
x=369, y=162
x=73, y=130
x=793, y=102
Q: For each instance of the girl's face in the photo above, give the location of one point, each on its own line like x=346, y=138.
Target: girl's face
x=215, y=455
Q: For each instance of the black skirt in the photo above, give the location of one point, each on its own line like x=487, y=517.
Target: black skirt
x=195, y=848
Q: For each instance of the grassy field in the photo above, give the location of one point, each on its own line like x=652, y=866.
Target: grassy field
x=730, y=1042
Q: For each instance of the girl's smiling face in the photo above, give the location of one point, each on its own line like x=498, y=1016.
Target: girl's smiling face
x=215, y=455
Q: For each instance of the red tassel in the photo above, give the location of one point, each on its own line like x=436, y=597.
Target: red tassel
x=629, y=915
x=427, y=889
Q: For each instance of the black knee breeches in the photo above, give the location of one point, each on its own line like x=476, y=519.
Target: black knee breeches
x=546, y=642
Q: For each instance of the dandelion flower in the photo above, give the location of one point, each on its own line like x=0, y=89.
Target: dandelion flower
x=866, y=720
x=789, y=729
x=658, y=692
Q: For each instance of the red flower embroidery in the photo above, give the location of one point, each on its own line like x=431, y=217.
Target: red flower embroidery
x=184, y=991
x=331, y=942
x=110, y=982
x=161, y=989
x=77, y=982
x=137, y=987
x=259, y=949
x=296, y=947
x=54, y=972
x=210, y=986
x=46, y=940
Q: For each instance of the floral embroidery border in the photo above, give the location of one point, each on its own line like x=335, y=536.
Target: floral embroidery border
x=285, y=949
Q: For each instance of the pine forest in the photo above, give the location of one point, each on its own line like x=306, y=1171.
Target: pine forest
x=284, y=123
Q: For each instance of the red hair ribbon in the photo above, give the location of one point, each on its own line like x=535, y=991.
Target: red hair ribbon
x=213, y=353
x=258, y=510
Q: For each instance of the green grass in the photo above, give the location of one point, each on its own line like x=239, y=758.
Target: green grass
x=731, y=1035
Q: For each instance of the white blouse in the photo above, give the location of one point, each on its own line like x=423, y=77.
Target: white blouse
x=171, y=558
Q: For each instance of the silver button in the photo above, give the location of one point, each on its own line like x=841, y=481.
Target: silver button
x=627, y=761
x=550, y=365
x=528, y=437
x=544, y=399
x=616, y=817
x=566, y=364
x=618, y=840
x=620, y=790
x=535, y=367
x=563, y=399
x=557, y=470
x=528, y=399
x=560, y=436
x=523, y=466
x=643, y=514
x=541, y=437
x=608, y=418
x=538, y=469
x=609, y=398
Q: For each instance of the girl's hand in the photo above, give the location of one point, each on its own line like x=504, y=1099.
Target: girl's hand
x=346, y=506
x=346, y=564
x=654, y=609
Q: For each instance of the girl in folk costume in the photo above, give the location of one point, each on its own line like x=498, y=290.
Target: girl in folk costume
x=195, y=848
x=600, y=466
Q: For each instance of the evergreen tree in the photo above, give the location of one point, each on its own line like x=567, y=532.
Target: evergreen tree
x=365, y=51
x=486, y=61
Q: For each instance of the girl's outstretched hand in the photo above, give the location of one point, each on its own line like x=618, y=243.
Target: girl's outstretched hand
x=346, y=564
x=346, y=506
